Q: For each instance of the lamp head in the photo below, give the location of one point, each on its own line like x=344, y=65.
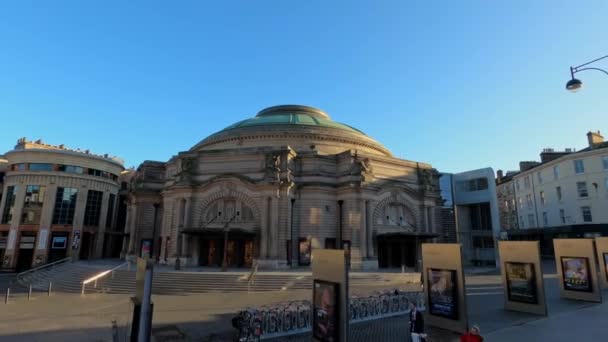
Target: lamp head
x=574, y=85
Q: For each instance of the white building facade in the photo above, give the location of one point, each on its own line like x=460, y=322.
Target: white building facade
x=570, y=190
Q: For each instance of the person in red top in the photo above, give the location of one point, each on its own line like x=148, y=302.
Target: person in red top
x=472, y=335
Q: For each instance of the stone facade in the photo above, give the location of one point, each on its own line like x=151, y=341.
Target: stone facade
x=278, y=185
x=56, y=203
x=507, y=205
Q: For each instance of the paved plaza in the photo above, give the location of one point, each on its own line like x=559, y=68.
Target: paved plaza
x=206, y=317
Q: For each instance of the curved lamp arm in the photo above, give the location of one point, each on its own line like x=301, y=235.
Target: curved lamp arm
x=598, y=69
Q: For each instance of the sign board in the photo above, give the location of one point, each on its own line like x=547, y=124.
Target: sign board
x=522, y=276
x=76, y=240
x=601, y=245
x=444, y=286
x=140, y=276
x=330, y=293
x=576, y=267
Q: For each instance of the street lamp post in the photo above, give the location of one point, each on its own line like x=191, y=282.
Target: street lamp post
x=575, y=84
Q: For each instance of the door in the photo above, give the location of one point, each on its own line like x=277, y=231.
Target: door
x=85, y=246
x=26, y=252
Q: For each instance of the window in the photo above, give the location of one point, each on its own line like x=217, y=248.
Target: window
x=558, y=191
x=41, y=167
x=521, y=203
x=476, y=184
x=556, y=172
x=562, y=216
x=542, y=198
x=545, y=219
x=94, y=172
x=71, y=169
x=507, y=205
x=531, y=220
x=32, y=204
x=110, y=215
x=65, y=203
x=527, y=182
x=517, y=184
x=9, y=205
x=521, y=221
x=93, y=208
x=586, y=211
x=540, y=177
x=581, y=187
x=579, y=166
x=529, y=200
x=605, y=163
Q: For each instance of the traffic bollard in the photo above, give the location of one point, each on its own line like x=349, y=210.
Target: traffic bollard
x=8, y=292
x=29, y=293
x=50, y=287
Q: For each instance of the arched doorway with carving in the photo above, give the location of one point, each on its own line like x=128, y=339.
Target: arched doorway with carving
x=398, y=231
x=227, y=231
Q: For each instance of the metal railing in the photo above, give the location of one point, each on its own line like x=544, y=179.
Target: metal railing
x=36, y=269
x=100, y=275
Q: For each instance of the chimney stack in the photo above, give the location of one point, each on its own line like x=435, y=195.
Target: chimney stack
x=499, y=175
x=594, y=138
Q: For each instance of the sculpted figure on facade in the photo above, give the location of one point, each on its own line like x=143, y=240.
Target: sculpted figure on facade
x=362, y=167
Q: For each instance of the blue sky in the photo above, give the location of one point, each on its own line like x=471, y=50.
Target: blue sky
x=458, y=84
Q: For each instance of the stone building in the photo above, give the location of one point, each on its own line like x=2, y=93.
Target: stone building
x=507, y=206
x=273, y=187
x=56, y=202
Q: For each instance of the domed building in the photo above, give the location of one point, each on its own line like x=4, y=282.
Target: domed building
x=273, y=187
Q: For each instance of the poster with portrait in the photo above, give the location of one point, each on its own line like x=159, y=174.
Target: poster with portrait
x=325, y=311
x=576, y=275
x=605, y=264
x=443, y=293
x=521, y=282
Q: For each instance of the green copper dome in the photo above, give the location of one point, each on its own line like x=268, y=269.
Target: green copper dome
x=291, y=115
x=301, y=127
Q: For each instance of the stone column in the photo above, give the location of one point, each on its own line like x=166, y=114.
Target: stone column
x=81, y=203
x=187, y=220
x=370, y=231
x=126, y=243
x=264, y=228
x=131, y=228
x=363, y=230
x=14, y=224
x=101, y=228
x=274, y=229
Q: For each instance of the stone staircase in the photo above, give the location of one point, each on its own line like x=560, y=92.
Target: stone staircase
x=68, y=278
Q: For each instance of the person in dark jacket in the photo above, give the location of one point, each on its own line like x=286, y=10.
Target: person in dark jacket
x=416, y=323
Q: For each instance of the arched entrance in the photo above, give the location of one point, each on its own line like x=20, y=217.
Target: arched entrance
x=228, y=227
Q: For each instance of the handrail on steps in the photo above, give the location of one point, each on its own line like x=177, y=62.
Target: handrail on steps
x=101, y=275
x=50, y=264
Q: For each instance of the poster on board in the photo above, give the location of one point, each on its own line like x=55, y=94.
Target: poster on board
x=576, y=274
x=521, y=282
x=443, y=293
x=576, y=263
x=325, y=310
x=444, y=283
